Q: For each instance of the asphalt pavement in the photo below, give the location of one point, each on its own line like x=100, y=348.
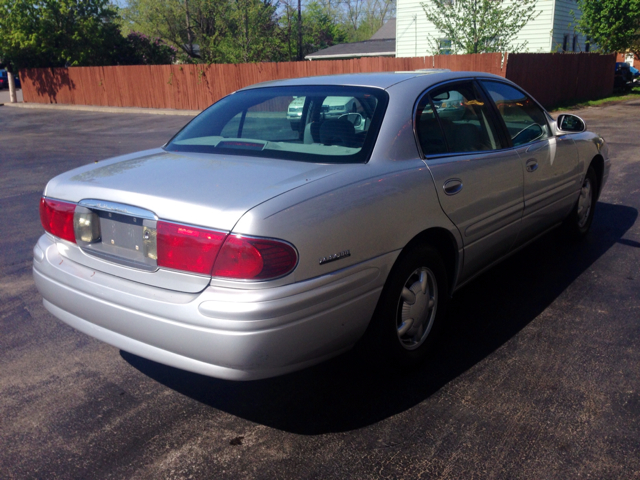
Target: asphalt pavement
x=6, y=98
x=537, y=374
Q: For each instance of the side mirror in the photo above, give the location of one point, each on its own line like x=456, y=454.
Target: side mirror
x=571, y=124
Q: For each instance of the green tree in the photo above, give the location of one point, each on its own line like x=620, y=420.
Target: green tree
x=182, y=23
x=213, y=31
x=362, y=18
x=140, y=49
x=252, y=33
x=55, y=33
x=479, y=26
x=320, y=28
x=613, y=25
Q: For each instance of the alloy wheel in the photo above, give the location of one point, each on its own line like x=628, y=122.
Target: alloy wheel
x=585, y=203
x=417, y=308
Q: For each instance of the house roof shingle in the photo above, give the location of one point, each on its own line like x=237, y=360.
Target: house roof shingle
x=368, y=48
x=387, y=31
x=382, y=43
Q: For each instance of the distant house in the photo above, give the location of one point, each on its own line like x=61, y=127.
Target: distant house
x=381, y=44
x=551, y=31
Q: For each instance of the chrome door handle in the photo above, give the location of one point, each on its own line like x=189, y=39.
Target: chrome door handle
x=452, y=186
x=532, y=165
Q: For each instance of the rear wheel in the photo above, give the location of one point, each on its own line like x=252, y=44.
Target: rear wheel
x=411, y=308
x=579, y=220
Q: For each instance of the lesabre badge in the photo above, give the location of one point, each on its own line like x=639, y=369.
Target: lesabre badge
x=335, y=256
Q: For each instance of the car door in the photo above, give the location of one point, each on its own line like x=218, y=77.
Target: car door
x=551, y=169
x=479, y=182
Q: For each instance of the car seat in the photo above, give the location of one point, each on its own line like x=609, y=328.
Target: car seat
x=430, y=136
x=337, y=132
x=312, y=133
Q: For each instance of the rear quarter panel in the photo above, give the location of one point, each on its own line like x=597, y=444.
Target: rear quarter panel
x=370, y=210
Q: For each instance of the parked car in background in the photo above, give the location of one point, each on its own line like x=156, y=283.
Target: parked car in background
x=4, y=79
x=623, y=79
x=245, y=249
x=332, y=107
x=294, y=112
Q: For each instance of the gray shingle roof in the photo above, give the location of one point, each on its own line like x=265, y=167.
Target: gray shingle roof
x=368, y=48
x=382, y=43
x=387, y=31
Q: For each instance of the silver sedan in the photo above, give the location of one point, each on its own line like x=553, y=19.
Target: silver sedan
x=250, y=246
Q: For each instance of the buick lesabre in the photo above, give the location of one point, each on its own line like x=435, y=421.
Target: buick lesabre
x=250, y=246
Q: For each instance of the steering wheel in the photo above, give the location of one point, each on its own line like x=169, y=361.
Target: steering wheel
x=527, y=134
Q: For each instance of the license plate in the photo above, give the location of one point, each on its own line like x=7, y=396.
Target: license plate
x=126, y=240
x=121, y=233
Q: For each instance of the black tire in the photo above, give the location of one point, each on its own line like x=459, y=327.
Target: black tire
x=384, y=340
x=578, y=223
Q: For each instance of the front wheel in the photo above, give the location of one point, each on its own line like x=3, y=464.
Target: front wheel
x=579, y=220
x=411, y=308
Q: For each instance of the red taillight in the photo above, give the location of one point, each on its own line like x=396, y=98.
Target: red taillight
x=254, y=258
x=193, y=249
x=187, y=248
x=199, y=250
x=57, y=218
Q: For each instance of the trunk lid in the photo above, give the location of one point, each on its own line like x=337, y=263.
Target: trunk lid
x=203, y=190
x=207, y=190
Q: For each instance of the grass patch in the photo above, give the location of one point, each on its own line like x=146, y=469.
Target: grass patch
x=576, y=105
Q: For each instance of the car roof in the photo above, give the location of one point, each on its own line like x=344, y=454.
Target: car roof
x=382, y=80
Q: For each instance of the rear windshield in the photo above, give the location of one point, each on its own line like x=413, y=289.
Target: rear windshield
x=306, y=123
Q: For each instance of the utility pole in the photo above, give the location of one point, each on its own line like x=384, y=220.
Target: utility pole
x=246, y=32
x=299, y=30
x=12, y=86
x=189, y=34
x=415, y=21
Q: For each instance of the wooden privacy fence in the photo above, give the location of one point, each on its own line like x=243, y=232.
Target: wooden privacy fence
x=195, y=87
x=549, y=77
x=557, y=78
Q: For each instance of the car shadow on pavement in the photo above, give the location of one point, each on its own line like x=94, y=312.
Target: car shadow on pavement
x=346, y=393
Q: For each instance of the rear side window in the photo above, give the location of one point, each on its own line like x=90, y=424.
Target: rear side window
x=455, y=119
x=430, y=134
x=304, y=123
x=264, y=121
x=525, y=120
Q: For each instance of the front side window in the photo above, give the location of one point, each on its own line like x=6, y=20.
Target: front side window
x=455, y=119
x=525, y=120
x=305, y=123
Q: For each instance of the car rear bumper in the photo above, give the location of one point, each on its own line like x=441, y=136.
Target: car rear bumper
x=230, y=333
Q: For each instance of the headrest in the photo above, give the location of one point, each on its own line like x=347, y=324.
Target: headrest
x=337, y=132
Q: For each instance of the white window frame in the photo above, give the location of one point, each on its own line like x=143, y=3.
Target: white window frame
x=442, y=49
